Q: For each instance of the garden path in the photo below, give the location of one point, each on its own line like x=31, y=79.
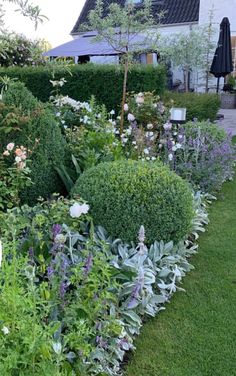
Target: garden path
x=229, y=121
x=196, y=334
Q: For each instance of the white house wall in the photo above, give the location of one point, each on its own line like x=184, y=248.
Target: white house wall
x=221, y=9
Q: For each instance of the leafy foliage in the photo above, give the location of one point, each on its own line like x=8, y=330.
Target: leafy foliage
x=199, y=106
x=83, y=294
x=16, y=49
x=39, y=132
x=201, y=153
x=127, y=194
x=89, y=79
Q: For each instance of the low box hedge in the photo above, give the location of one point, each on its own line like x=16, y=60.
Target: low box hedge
x=199, y=105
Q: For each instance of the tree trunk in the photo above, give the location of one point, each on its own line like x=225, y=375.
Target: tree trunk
x=124, y=93
x=186, y=80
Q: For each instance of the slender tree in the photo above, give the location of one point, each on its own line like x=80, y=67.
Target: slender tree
x=127, y=29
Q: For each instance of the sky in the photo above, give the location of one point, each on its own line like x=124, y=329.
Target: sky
x=62, y=17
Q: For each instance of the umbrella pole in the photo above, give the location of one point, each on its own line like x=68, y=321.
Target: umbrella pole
x=218, y=84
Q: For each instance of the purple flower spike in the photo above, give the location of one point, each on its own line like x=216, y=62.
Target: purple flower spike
x=63, y=287
x=56, y=229
x=50, y=272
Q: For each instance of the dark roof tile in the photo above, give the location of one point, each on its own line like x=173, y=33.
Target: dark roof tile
x=175, y=11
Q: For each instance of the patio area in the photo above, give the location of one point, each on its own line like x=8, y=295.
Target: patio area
x=229, y=120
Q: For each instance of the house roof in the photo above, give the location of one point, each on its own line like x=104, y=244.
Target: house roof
x=175, y=11
x=86, y=45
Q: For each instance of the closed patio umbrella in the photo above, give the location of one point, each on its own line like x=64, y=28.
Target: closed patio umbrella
x=222, y=63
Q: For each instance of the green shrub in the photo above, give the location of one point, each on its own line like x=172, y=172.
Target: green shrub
x=200, y=106
x=19, y=96
x=127, y=194
x=38, y=131
x=103, y=81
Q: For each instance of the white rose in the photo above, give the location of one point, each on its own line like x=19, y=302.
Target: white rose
x=131, y=117
x=150, y=126
x=170, y=157
x=76, y=210
x=18, y=159
x=126, y=107
x=140, y=98
x=10, y=146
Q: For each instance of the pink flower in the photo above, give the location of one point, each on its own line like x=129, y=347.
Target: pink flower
x=18, y=152
x=6, y=153
x=10, y=146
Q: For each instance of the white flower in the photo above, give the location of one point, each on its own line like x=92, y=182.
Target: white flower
x=170, y=157
x=180, y=136
x=18, y=159
x=160, y=146
x=167, y=126
x=133, y=142
x=148, y=158
x=150, y=126
x=140, y=98
x=0, y=253
x=178, y=146
x=57, y=347
x=76, y=210
x=128, y=131
x=146, y=151
x=174, y=148
x=5, y=330
x=126, y=107
x=131, y=117
x=10, y=146
x=86, y=118
x=58, y=114
x=124, y=140
x=112, y=112
x=153, y=158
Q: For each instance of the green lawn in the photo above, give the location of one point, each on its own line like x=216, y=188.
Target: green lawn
x=196, y=335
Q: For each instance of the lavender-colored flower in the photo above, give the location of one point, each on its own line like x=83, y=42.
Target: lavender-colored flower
x=63, y=287
x=56, y=229
x=50, y=272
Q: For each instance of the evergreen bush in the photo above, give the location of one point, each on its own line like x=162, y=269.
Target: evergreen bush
x=34, y=127
x=103, y=81
x=124, y=195
x=199, y=106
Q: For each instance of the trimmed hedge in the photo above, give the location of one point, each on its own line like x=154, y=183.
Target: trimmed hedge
x=124, y=195
x=37, y=123
x=199, y=105
x=103, y=81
